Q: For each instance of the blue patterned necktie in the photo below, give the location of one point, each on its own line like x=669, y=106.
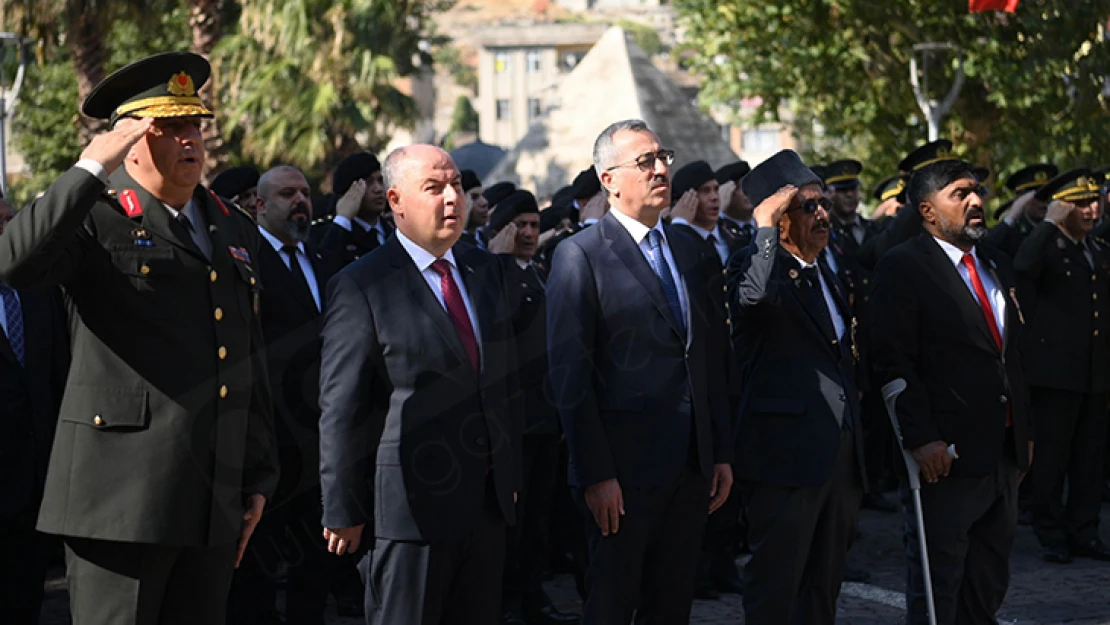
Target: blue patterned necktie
x=662, y=271
x=14, y=316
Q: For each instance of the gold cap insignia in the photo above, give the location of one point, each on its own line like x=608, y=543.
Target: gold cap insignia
x=1041, y=177
x=1082, y=182
x=181, y=84
x=942, y=153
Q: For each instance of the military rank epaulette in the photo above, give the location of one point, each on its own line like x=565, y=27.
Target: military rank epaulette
x=322, y=220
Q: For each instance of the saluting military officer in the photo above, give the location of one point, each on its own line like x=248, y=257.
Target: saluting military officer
x=1025, y=211
x=165, y=454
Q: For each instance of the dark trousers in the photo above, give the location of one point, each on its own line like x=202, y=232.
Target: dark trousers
x=22, y=572
x=568, y=527
x=291, y=534
x=113, y=583
x=969, y=527
x=1071, y=430
x=647, y=567
x=722, y=535
x=450, y=582
x=878, y=440
x=800, y=538
x=527, y=542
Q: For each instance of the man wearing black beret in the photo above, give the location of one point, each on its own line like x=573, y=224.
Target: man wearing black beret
x=165, y=454
x=736, y=209
x=477, y=210
x=697, y=208
x=358, y=227
x=239, y=185
x=497, y=192
x=799, y=432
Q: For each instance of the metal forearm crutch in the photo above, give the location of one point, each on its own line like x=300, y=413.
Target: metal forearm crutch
x=891, y=391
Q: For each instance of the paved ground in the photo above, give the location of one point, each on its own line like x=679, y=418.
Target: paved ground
x=1040, y=593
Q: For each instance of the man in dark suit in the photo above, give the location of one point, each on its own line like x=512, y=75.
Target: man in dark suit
x=515, y=229
x=34, y=357
x=1067, y=364
x=418, y=432
x=947, y=321
x=292, y=300
x=636, y=348
x=358, y=227
x=164, y=454
x=800, y=440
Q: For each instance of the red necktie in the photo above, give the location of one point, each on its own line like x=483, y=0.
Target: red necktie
x=988, y=311
x=456, y=310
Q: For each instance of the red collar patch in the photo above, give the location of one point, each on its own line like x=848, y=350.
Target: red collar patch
x=130, y=202
x=219, y=203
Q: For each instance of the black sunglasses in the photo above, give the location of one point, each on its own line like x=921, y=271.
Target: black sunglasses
x=647, y=160
x=810, y=206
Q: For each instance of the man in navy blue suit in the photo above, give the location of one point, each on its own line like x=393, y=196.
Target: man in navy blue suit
x=637, y=354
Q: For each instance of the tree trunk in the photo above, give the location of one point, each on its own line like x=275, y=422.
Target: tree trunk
x=207, y=28
x=85, y=39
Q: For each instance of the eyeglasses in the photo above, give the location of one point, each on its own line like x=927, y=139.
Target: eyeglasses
x=647, y=160
x=811, y=205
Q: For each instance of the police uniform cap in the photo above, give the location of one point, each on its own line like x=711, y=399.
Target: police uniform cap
x=843, y=174
x=470, y=180
x=733, y=172
x=232, y=182
x=519, y=202
x=691, y=176
x=357, y=166
x=498, y=192
x=586, y=184
x=160, y=86
x=1031, y=178
x=784, y=168
x=891, y=186
x=928, y=154
x=1073, y=185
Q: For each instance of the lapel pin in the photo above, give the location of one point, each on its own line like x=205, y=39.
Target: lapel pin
x=793, y=274
x=1060, y=243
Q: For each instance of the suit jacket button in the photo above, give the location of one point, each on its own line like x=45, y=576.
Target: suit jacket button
x=145, y=270
x=223, y=391
x=213, y=275
x=843, y=397
x=1003, y=399
x=1096, y=332
x=222, y=352
x=97, y=421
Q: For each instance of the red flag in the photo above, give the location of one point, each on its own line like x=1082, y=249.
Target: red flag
x=978, y=6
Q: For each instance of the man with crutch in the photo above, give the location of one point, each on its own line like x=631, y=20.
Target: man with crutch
x=947, y=319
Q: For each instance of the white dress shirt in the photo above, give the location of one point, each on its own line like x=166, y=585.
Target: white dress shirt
x=423, y=260
x=302, y=260
x=994, y=293
x=376, y=229
x=639, y=233
x=830, y=301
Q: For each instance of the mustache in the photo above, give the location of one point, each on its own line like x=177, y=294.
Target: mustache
x=659, y=181
x=821, y=224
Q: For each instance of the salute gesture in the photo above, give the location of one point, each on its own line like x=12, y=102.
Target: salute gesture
x=110, y=148
x=769, y=211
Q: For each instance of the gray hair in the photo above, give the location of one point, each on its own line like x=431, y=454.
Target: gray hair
x=393, y=167
x=604, y=153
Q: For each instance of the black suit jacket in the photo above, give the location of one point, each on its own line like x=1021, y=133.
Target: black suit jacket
x=1066, y=345
x=797, y=378
x=930, y=331
x=350, y=245
x=622, y=375
x=30, y=394
x=525, y=292
x=408, y=430
x=291, y=326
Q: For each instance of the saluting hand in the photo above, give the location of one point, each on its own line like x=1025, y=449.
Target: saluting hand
x=344, y=539
x=933, y=460
x=349, y=205
x=722, y=485
x=1058, y=213
x=504, y=242
x=251, y=517
x=595, y=208
x=606, y=501
x=686, y=206
x=110, y=148
x=769, y=211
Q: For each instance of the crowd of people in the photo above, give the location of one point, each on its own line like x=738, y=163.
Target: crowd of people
x=421, y=394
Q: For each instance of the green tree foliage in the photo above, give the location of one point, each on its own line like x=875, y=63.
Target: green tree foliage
x=464, y=118
x=644, y=35
x=447, y=56
x=306, y=82
x=1037, y=86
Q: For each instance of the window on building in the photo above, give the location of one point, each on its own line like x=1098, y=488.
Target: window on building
x=500, y=62
x=532, y=61
x=535, y=109
x=760, y=140
x=502, y=110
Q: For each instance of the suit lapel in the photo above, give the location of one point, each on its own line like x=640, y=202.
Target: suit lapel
x=622, y=245
x=797, y=287
x=273, y=262
x=950, y=281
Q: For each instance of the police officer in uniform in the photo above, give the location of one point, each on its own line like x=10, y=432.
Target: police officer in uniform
x=1067, y=365
x=850, y=230
x=164, y=454
x=359, y=226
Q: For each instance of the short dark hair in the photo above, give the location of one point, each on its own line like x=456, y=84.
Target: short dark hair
x=928, y=180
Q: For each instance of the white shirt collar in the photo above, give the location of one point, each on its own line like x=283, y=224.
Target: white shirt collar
x=804, y=264
x=366, y=225
x=955, y=254
x=420, y=256
x=638, y=230
x=276, y=243
x=702, y=232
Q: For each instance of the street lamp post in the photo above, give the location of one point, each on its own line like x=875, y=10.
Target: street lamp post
x=934, y=112
x=8, y=95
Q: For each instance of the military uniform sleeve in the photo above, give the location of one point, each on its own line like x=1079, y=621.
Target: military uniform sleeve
x=1030, y=256
x=47, y=243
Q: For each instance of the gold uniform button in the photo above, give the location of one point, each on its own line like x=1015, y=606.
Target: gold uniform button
x=1094, y=296
x=212, y=276
x=223, y=352
x=1067, y=273
x=1096, y=314
x=97, y=421
x=223, y=391
x=253, y=280
x=1094, y=277
x=144, y=270
x=1096, y=332
x=218, y=313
